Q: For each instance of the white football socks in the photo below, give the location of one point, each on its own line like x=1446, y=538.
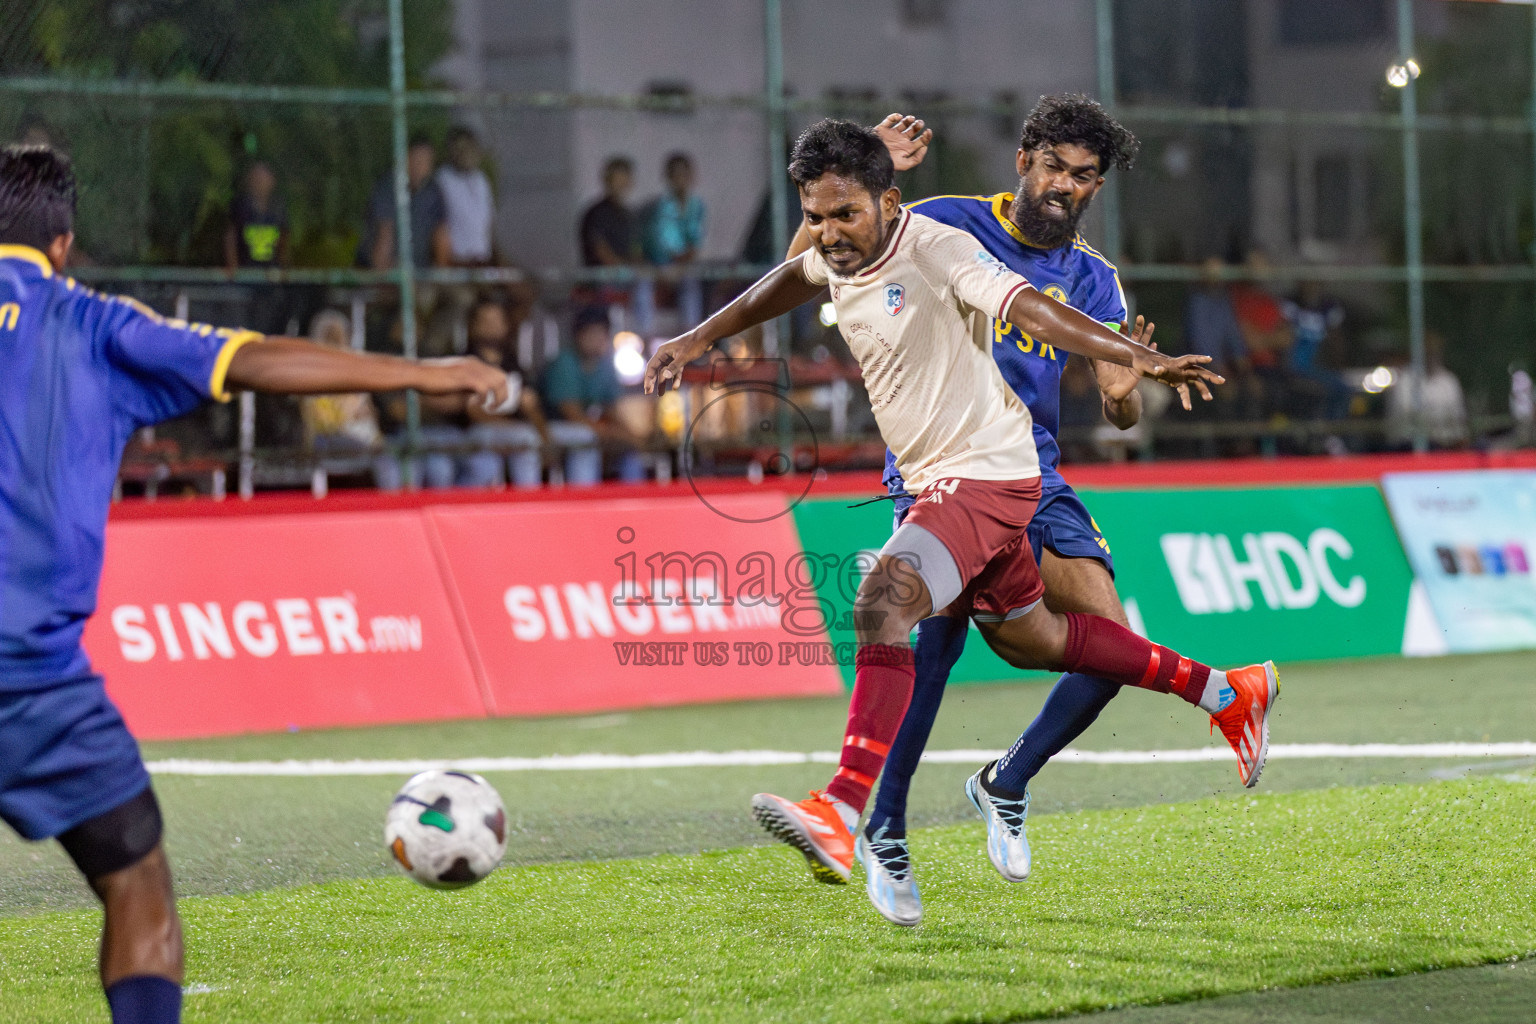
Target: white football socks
x=847, y=813
x=1218, y=693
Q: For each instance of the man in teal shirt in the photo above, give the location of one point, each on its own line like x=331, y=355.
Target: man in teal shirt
x=674, y=233
x=580, y=389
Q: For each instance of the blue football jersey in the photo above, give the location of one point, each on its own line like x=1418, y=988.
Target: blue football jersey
x=79, y=373
x=1074, y=274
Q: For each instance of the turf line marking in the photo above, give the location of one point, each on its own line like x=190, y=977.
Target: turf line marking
x=753, y=758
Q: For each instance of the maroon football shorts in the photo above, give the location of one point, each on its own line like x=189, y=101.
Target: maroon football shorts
x=981, y=523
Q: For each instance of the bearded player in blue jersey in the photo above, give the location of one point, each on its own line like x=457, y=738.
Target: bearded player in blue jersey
x=1067, y=145
x=79, y=373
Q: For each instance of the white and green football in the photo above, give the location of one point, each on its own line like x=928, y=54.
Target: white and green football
x=446, y=829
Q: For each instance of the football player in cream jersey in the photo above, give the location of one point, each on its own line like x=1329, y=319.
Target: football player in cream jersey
x=915, y=301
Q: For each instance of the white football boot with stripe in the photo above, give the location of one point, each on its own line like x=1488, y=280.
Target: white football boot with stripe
x=1007, y=845
x=888, y=877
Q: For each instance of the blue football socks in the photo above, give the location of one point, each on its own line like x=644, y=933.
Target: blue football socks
x=1074, y=703
x=144, y=999
x=940, y=641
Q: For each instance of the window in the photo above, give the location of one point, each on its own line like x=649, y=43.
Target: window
x=924, y=13
x=1332, y=197
x=1332, y=23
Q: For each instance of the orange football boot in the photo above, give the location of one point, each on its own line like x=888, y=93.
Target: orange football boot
x=813, y=827
x=1244, y=721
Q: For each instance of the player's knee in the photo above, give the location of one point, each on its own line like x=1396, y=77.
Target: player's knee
x=889, y=604
x=119, y=839
x=881, y=622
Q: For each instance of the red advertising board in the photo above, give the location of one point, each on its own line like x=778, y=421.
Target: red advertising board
x=216, y=626
x=627, y=603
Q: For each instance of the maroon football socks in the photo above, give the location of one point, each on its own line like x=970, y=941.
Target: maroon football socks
x=882, y=689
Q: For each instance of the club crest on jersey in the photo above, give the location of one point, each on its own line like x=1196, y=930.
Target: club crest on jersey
x=895, y=299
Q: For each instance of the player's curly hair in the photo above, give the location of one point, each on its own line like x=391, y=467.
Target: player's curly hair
x=1079, y=120
x=846, y=149
x=37, y=196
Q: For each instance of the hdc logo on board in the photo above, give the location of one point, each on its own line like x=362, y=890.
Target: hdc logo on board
x=1214, y=576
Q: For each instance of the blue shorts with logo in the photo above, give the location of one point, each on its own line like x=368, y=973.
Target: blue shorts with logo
x=1061, y=523
x=66, y=756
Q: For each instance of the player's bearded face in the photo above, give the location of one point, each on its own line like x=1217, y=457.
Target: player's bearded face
x=1054, y=192
x=847, y=224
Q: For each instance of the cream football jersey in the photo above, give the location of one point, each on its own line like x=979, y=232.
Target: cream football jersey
x=919, y=321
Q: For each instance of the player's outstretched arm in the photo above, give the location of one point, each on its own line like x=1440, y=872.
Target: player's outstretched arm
x=1064, y=327
x=775, y=293
x=294, y=366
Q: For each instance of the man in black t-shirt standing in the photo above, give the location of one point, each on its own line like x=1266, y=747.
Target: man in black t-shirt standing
x=257, y=238
x=608, y=236
x=610, y=233
x=257, y=235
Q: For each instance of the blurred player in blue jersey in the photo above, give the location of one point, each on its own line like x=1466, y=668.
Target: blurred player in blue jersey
x=1067, y=145
x=79, y=373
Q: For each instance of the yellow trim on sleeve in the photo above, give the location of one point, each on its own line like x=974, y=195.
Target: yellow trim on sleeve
x=237, y=341
x=929, y=199
x=1082, y=246
x=139, y=307
x=29, y=254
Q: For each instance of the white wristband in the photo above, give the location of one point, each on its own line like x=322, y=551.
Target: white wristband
x=514, y=395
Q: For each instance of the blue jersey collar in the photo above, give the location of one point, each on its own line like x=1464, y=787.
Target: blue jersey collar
x=27, y=254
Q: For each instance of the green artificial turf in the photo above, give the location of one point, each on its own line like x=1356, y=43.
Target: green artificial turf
x=1140, y=905
x=1504, y=993
x=234, y=835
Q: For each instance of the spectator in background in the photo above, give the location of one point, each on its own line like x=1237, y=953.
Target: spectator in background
x=673, y=236
x=1522, y=407
x=608, y=236
x=580, y=390
x=1439, y=398
x=519, y=436
x=257, y=233
x=470, y=207
x=1211, y=329
x=256, y=237
x=429, y=215
x=1314, y=319
x=429, y=236
x=1266, y=334
x=466, y=446
x=338, y=424
x=1081, y=410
